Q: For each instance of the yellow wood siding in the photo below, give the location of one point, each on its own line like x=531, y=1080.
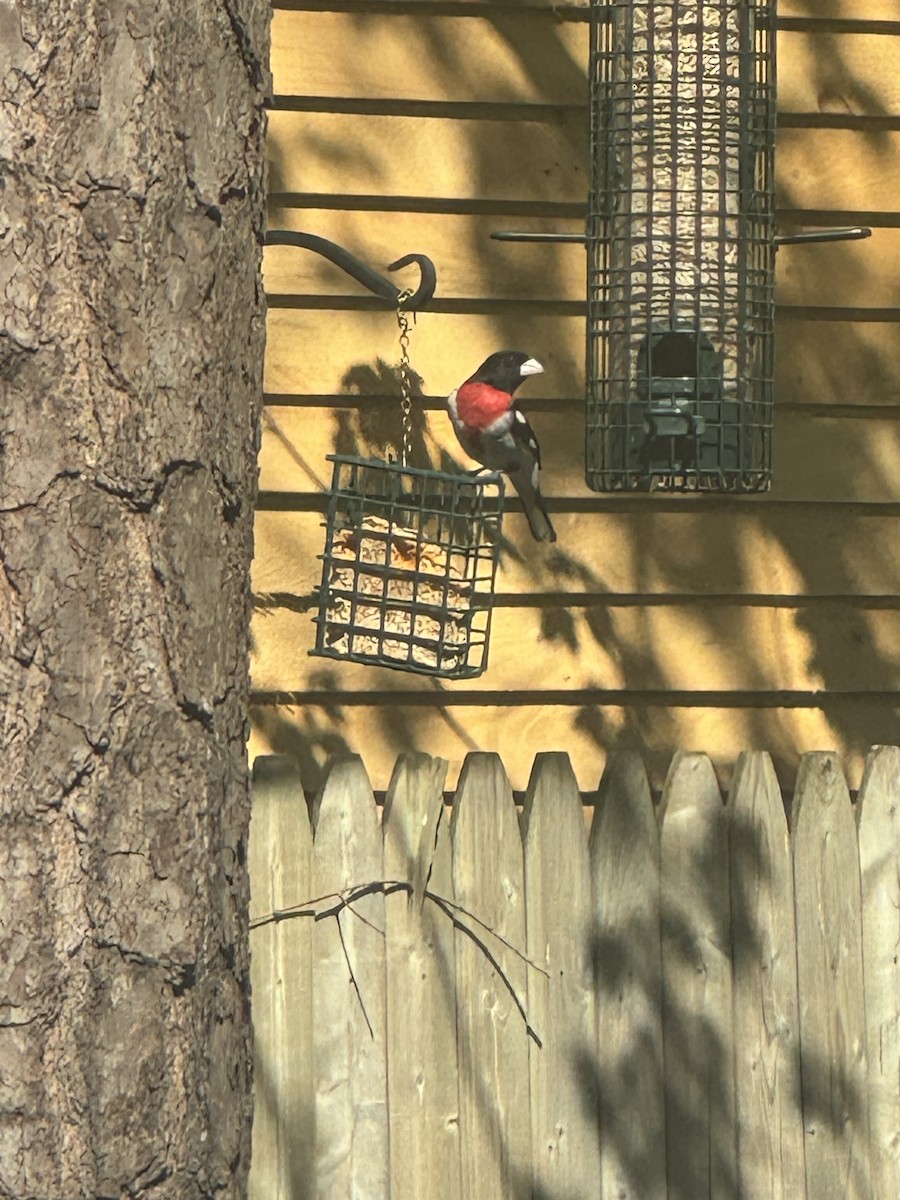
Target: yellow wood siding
x=655, y=622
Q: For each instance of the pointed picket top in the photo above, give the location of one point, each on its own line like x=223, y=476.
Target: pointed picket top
x=697, y=989
x=413, y=806
x=349, y=1001
x=280, y=866
x=552, y=795
x=565, y=1145
x=488, y=879
x=830, y=980
x=691, y=787
x=624, y=852
x=625, y=816
x=766, y=1012
x=878, y=815
x=280, y=834
x=345, y=794
x=423, y=1095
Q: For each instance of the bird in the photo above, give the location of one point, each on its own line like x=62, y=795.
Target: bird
x=493, y=430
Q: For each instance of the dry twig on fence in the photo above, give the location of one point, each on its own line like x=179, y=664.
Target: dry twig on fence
x=387, y=887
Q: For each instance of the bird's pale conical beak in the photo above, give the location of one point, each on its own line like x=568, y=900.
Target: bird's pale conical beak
x=531, y=366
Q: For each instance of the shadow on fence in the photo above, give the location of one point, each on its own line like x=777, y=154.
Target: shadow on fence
x=715, y=1001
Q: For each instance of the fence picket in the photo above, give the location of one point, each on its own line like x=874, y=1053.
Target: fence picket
x=878, y=813
x=348, y=1018
x=697, y=990
x=624, y=849
x=488, y=879
x=766, y=1014
x=721, y=1016
x=423, y=1097
x=280, y=863
x=564, y=1141
x=829, y=964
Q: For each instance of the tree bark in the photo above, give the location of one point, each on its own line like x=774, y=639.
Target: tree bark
x=131, y=339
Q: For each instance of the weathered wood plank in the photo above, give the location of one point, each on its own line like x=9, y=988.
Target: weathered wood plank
x=497, y=57
x=859, y=274
x=766, y=1014
x=423, y=1097
x=280, y=864
x=829, y=962
x=838, y=72
x=837, y=168
x=469, y=262
x=819, y=457
x=787, y=553
x=356, y=351
x=397, y=155
x=565, y=1146
x=430, y=57
x=518, y=728
x=390, y=155
x=624, y=849
x=349, y=1001
x=697, y=985
x=488, y=879
x=878, y=813
x=816, y=362
x=734, y=648
x=826, y=10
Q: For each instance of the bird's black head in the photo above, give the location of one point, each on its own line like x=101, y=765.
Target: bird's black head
x=506, y=369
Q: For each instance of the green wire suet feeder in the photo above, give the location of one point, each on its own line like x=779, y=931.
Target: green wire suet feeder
x=409, y=567
x=411, y=554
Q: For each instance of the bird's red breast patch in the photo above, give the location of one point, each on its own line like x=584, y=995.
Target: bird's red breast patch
x=479, y=404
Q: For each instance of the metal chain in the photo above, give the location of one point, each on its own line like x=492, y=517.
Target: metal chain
x=403, y=320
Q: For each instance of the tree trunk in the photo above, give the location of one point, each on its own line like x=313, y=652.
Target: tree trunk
x=131, y=337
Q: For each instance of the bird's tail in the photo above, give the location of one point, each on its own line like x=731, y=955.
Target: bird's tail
x=535, y=510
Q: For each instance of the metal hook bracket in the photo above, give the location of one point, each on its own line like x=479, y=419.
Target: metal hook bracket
x=360, y=271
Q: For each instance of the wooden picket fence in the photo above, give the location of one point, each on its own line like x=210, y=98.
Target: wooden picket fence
x=714, y=1003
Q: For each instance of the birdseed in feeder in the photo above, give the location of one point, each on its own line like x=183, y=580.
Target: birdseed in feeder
x=384, y=581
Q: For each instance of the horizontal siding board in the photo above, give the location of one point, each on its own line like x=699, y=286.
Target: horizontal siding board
x=385, y=54
x=352, y=153
x=518, y=730
x=826, y=11
x=728, y=649
x=816, y=362
x=857, y=274
x=820, y=71
x=351, y=351
x=574, y=10
x=787, y=551
x=469, y=262
x=819, y=459
x=381, y=154
x=497, y=58
x=833, y=168
x=812, y=11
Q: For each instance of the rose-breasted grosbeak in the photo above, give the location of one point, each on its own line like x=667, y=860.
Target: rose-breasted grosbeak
x=493, y=430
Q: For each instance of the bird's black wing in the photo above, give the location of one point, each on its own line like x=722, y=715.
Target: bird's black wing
x=524, y=434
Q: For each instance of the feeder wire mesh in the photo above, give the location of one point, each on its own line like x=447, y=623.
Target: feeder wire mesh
x=681, y=245
x=409, y=567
